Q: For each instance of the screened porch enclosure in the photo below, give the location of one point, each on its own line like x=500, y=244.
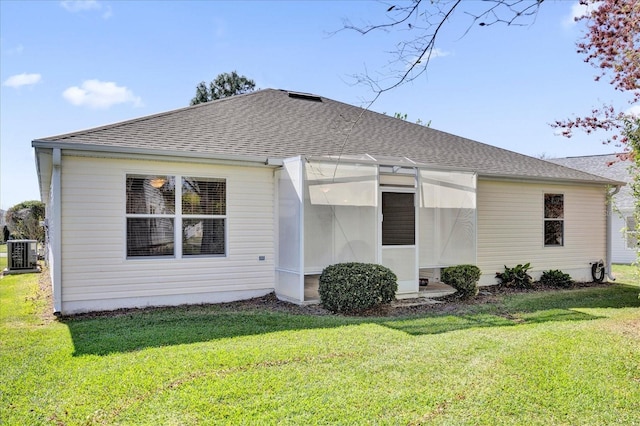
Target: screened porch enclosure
x=390, y=211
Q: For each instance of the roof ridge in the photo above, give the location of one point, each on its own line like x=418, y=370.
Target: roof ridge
x=268, y=123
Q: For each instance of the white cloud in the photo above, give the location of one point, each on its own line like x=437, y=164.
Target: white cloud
x=86, y=5
x=577, y=11
x=23, y=79
x=435, y=53
x=634, y=110
x=439, y=53
x=80, y=5
x=100, y=94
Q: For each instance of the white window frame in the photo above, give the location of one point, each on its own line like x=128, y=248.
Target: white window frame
x=183, y=216
x=177, y=218
x=553, y=219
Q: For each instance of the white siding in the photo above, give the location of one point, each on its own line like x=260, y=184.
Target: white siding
x=620, y=252
x=510, y=228
x=95, y=271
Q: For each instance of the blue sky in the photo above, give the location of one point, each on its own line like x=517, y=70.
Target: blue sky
x=72, y=65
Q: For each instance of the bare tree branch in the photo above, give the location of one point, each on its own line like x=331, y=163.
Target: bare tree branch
x=425, y=20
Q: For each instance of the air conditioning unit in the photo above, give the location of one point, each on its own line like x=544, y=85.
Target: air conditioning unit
x=22, y=255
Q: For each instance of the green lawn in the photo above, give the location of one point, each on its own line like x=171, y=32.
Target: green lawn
x=565, y=358
x=3, y=259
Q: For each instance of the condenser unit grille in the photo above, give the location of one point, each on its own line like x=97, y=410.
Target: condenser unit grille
x=22, y=254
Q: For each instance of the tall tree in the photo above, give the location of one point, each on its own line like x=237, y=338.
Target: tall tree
x=23, y=220
x=223, y=86
x=612, y=45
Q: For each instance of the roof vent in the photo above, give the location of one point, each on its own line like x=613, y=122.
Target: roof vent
x=305, y=96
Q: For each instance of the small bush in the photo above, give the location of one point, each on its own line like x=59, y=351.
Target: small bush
x=351, y=288
x=556, y=278
x=516, y=277
x=464, y=278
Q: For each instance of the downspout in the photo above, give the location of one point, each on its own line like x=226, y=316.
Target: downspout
x=616, y=189
x=56, y=237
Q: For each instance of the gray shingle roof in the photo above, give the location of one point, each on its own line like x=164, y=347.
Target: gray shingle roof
x=608, y=166
x=272, y=124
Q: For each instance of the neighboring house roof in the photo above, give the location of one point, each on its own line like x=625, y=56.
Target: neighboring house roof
x=606, y=165
x=270, y=123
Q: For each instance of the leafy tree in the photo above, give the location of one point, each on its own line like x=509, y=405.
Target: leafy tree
x=223, y=86
x=23, y=220
x=202, y=94
x=612, y=45
x=403, y=117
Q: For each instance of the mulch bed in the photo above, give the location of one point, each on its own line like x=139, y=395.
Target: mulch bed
x=404, y=307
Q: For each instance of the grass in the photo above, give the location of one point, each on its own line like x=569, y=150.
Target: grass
x=566, y=357
x=3, y=259
x=626, y=273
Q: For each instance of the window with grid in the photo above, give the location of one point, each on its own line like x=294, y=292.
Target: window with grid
x=204, y=209
x=553, y=220
x=158, y=205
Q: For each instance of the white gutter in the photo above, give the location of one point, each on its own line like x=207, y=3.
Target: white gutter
x=56, y=232
x=151, y=153
x=609, y=233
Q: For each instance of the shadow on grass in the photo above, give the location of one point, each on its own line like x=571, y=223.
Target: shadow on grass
x=528, y=308
x=183, y=325
x=137, y=330
x=448, y=323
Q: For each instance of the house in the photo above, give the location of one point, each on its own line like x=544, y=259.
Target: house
x=624, y=247
x=259, y=192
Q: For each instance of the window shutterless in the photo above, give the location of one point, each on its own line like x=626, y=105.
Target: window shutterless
x=155, y=207
x=553, y=220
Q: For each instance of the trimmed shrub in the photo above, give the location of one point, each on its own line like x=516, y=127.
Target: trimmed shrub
x=556, y=278
x=516, y=277
x=351, y=288
x=464, y=278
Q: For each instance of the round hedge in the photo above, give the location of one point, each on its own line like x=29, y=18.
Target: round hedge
x=464, y=278
x=350, y=288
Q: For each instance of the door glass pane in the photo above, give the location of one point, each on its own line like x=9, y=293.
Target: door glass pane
x=398, y=219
